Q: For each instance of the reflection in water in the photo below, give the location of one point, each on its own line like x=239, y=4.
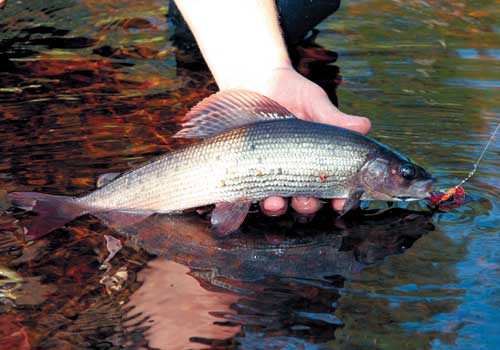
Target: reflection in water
x=171, y=308
x=278, y=279
x=281, y=246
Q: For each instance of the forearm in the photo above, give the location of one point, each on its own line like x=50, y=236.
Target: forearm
x=240, y=40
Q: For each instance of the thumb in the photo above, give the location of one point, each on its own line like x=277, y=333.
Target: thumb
x=323, y=111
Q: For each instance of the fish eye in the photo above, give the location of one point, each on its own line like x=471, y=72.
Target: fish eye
x=408, y=171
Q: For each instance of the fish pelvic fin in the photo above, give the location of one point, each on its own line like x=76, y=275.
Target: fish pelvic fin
x=227, y=217
x=104, y=179
x=230, y=109
x=53, y=211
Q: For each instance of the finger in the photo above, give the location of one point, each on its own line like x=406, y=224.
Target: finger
x=274, y=206
x=338, y=204
x=351, y=122
x=324, y=111
x=306, y=205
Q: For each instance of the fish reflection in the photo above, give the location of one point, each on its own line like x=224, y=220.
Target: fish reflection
x=274, y=284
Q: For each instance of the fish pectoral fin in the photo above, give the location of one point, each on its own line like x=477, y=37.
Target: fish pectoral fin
x=118, y=220
x=105, y=179
x=227, y=110
x=228, y=217
x=352, y=201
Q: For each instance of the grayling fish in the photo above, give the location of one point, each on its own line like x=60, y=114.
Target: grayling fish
x=252, y=148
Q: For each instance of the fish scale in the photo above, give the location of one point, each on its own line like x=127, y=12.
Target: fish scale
x=279, y=157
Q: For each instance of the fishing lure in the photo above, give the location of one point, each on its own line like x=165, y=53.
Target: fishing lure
x=451, y=198
x=455, y=196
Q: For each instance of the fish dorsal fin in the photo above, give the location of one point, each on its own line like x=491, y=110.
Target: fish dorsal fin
x=230, y=109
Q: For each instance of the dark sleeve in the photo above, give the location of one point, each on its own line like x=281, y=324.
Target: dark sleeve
x=297, y=18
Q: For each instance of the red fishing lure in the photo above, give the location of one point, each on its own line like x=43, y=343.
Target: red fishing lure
x=455, y=196
x=451, y=198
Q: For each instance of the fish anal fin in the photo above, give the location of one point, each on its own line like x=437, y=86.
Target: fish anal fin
x=227, y=110
x=228, y=217
x=119, y=220
x=105, y=179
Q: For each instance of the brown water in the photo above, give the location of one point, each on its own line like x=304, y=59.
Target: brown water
x=97, y=86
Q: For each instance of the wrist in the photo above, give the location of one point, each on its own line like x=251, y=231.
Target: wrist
x=241, y=41
x=262, y=79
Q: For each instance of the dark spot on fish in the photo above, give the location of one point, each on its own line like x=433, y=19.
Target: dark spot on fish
x=253, y=146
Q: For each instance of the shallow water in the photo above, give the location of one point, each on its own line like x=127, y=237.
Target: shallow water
x=93, y=86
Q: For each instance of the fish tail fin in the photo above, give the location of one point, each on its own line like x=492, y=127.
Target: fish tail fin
x=53, y=211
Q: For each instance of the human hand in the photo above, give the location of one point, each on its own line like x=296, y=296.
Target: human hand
x=242, y=44
x=307, y=101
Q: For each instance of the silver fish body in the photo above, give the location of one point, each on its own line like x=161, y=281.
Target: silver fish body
x=281, y=157
x=253, y=148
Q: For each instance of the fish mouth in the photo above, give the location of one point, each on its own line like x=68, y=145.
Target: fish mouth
x=407, y=199
x=419, y=190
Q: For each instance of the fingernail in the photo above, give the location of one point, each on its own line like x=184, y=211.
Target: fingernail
x=306, y=205
x=302, y=200
x=274, y=206
x=338, y=204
